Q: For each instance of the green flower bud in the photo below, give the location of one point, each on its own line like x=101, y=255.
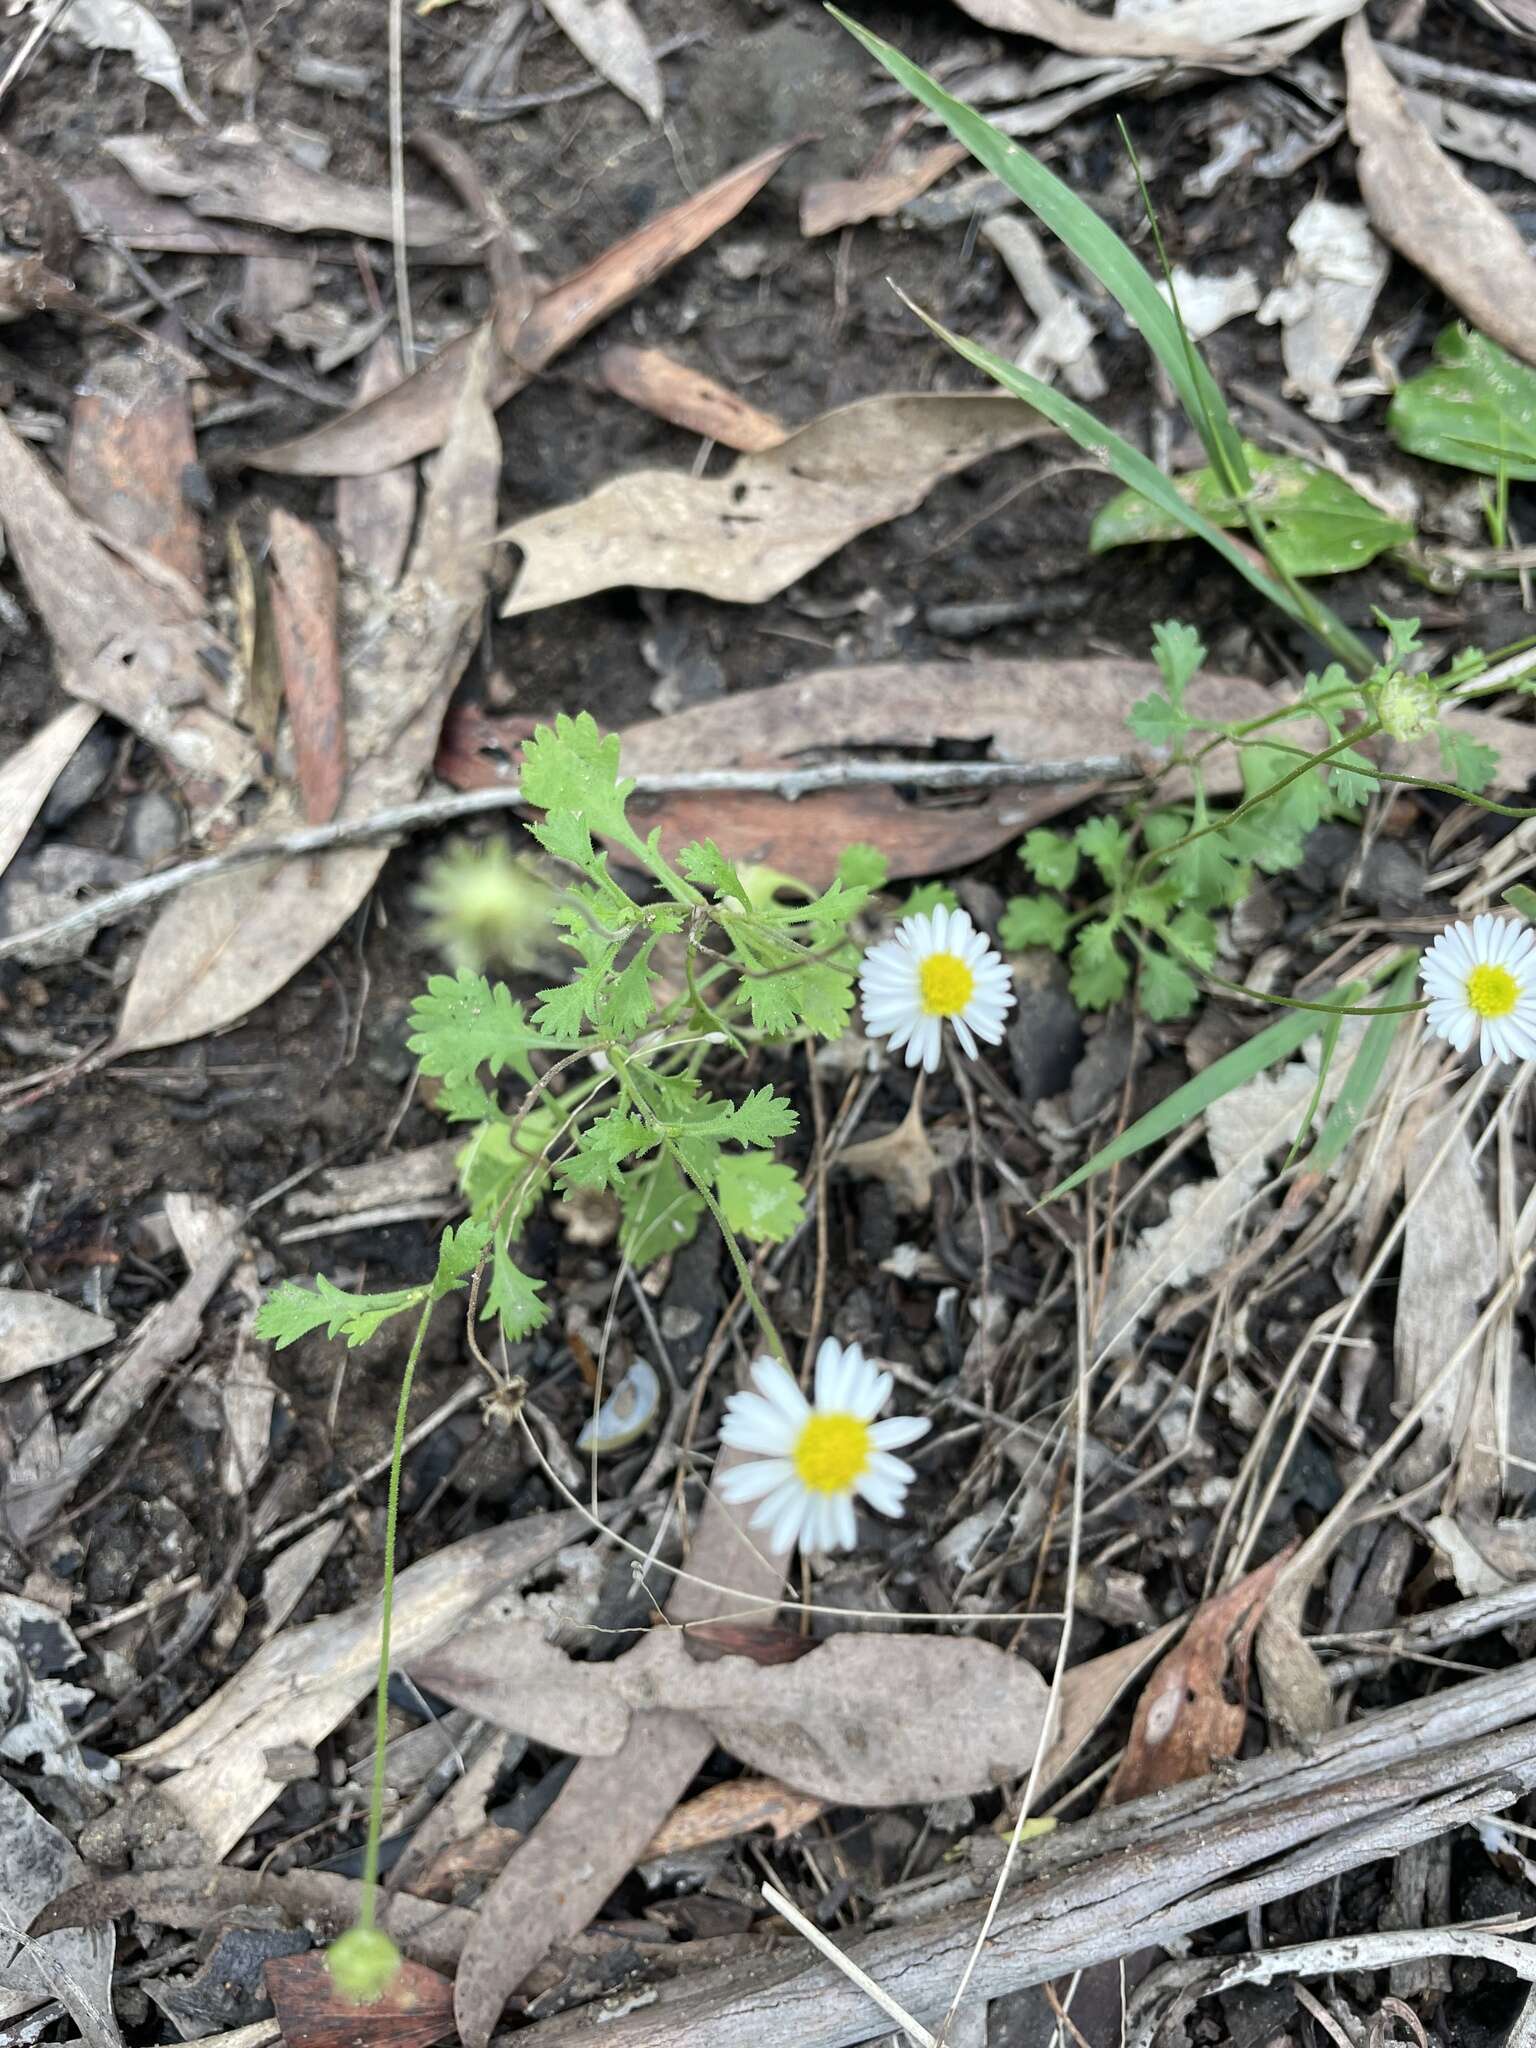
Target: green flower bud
x=485, y=905
x=1407, y=706
x=363, y=1964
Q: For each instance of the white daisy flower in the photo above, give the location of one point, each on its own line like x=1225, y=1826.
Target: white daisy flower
x=1481, y=983
x=812, y=1457
x=936, y=966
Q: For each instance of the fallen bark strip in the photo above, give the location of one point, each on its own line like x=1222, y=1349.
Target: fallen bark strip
x=1149, y=1893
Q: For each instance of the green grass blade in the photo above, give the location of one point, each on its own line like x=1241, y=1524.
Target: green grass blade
x=1220, y=1078
x=1127, y=463
x=1092, y=240
x=1363, y=1078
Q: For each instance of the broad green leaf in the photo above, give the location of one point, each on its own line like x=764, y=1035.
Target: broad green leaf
x=1034, y=921
x=759, y=1198
x=1105, y=842
x=1164, y=989
x=1316, y=524
x=1475, y=408
x=928, y=896
x=626, y=1003
x=602, y=1148
x=502, y=1176
x=1520, y=898
x=1100, y=972
x=1051, y=857
x=1276, y=1042
x=291, y=1311
x=464, y=1022
x=1468, y=763
x=1193, y=934
x=1364, y=1077
x=763, y=1117
x=661, y=1212
x=1208, y=875
x=1090, y=239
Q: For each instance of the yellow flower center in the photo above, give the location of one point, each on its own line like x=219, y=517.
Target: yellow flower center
x=832, y=1452
x=1492, y=991
x=947, y=985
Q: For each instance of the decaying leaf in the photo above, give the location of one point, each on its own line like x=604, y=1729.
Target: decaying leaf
x=235, y=175
x=39, y=1329
x=1089, y=1692
x=30, y=773
x=413, y=418
x=256, y=688
x=300, y=1686
x=1063, y=340
x=738, y=1807
x=1430, y=213
x=111, y=205
x=613, y=43
x=844, y=202
x=129, y=26
x=1195, y=1705
x=122, y=642
x=862, y=1720
x=1332, y=281
x=905, y=1159
x=1473, y=132
x=414, y=2010
x=131, y=446
x=748, y=534
x=74, y=1967
x=650, y=378
x=217, y=951
x=375, y=514
x=303, y=592
x=1250, y=36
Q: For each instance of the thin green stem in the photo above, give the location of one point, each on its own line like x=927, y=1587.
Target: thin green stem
x=367, y=1910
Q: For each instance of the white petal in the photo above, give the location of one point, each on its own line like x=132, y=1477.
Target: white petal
x=1464, y=1030
x=783, y=1515
x=776, y=1383
x=897, y=1430
x=927, y=1041
x=752, y=1424
x=882, y=1494
x=963, y=1033
x=829, y=1375
x=894, y=1471
x=752, y=1480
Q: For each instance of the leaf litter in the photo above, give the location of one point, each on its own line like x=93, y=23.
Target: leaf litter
x=648, y=1720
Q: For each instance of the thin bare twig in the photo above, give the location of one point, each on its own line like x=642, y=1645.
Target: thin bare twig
x=400, y=819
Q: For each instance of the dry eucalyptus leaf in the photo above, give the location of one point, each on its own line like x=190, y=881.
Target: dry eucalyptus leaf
x=301, y=1686
x=234, y=175
x=1420, y=203
x=121, y=641
x=844, y=202
x=1474, y=132
x=738, y=1807
x=650, y=378
x=748, y=534
x=375, y=514
x=1450, y=1265
x=219, y=949
x=30, y=773
x=1237, y=35
x=413, y=418
x=74, y=1966
x=613, y=43
x=126, y=25
x=39, y=1329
